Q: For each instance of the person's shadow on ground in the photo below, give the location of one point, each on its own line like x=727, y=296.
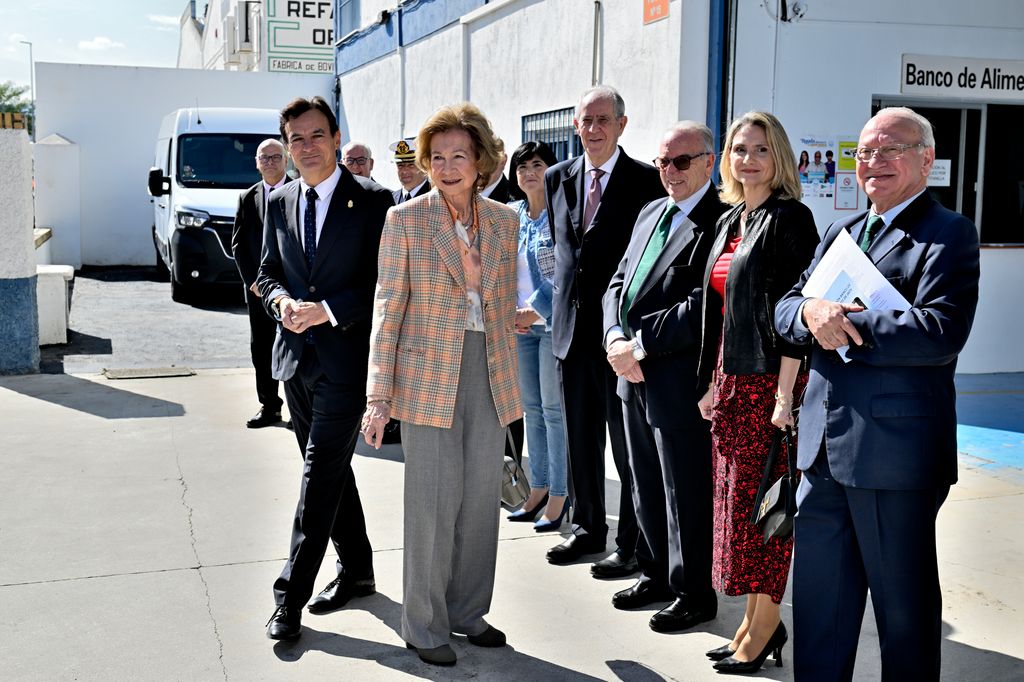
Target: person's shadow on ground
x=474, y=662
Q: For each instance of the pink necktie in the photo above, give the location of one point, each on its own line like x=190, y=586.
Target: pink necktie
x=593, y=198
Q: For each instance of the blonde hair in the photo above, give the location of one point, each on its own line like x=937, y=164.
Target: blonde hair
x=785, y=181
x=468, y=118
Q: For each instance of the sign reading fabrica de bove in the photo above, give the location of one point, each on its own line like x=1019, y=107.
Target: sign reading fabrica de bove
x=990, y=79
x=300, y=36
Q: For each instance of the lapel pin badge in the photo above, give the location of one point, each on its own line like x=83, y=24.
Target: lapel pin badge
x=350, y=203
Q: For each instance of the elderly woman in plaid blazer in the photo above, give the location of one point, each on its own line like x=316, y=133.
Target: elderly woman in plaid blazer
x=443, y=361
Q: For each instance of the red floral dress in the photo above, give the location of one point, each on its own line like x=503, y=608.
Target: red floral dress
x=741, y=435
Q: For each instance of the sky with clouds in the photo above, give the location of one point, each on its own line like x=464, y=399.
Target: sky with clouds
x=121, y=32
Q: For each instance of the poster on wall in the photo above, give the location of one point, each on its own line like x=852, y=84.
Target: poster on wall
x=300, y=36
x=821, y=161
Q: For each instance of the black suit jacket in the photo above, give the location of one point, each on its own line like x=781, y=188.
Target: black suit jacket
x=585, y=262
x=500, y=191
x=344, y=275
x=396, y=194
x=247, y=234
x=667, y=309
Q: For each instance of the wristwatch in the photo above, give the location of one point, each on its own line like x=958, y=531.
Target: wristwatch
x=638, y=352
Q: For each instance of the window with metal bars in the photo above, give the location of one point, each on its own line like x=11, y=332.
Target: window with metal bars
x=554, y=128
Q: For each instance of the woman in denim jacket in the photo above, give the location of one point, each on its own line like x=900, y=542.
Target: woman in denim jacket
x=538, y=380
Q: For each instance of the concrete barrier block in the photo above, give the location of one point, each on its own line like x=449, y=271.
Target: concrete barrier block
x=52, y=301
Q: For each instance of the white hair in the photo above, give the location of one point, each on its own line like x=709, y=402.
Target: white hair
x=923, y=125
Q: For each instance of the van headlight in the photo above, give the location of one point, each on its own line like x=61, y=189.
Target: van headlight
x=189, y=218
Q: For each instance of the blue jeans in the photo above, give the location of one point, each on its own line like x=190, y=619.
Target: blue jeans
x=545, y=436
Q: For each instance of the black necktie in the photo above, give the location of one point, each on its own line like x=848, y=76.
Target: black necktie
x=875, y=223
x=309, y=227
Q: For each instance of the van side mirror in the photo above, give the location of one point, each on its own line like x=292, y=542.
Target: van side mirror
x=159, y=184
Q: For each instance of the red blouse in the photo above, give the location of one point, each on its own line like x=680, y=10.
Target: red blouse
x=721, y=269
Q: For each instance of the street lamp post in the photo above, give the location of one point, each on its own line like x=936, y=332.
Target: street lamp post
x=31, y=86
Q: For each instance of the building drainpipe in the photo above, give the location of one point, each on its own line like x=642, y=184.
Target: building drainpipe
x=720, y=65
x=595, y=68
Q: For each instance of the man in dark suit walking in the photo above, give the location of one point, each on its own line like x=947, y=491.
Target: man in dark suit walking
x=593, y=202
x=247, y=247
x=878, y=433
x=317, y=279
x=652, y=321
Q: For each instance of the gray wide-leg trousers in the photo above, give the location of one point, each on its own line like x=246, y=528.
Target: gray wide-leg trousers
x=452, y=497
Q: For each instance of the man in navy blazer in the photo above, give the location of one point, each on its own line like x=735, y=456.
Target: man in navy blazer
x=878, y=434
x=593, y=202
x=317, y=279
x=652, y=321
x=247, y=248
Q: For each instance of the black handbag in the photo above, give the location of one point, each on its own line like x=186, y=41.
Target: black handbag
x=775, y=506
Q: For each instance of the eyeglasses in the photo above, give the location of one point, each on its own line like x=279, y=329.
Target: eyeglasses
x=681, y=162
x=889, y=152
x=355, y=160
x=269, y=158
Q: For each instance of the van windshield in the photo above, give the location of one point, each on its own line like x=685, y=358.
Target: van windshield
x=221, y=160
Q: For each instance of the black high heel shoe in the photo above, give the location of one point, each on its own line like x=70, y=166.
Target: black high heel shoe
x=720, y=653
x=525, y=514
x=773, y=646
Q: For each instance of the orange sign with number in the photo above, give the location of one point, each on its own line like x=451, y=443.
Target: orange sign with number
x=655, y=10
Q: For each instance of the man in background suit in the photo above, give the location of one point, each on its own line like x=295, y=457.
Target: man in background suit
x=652, y=321
x=317, y=279
x=593, y=202
x=497, y=184
x=247, y=247
x=414, y=181
x=878, y=433
x=358, y=159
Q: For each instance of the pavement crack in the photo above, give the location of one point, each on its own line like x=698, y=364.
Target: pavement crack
x=195, y=552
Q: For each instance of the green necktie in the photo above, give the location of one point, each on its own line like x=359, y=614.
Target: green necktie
x=651, y=253
x=875, y=223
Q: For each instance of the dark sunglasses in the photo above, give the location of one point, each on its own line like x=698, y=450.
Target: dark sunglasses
x=681, y=162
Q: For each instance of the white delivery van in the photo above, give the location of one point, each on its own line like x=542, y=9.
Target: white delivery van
x=204, y=158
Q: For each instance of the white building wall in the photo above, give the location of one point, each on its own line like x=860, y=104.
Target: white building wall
x=58, y=199
x=528, y=57
x=113, y=113
x=369, y=110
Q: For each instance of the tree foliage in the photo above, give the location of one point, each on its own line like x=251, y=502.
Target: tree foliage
x=11, y=97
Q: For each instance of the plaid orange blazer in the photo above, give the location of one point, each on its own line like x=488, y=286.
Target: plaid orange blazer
x=419, y=311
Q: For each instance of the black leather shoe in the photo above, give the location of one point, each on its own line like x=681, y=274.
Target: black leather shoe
x=265, y=417
x=491, y=637
x=642, y=593
x=574, y=547
x=682, y=615
x=338, y=592
x=614, y=566
x=724, y=651
x=286, y=623
x=439, y=655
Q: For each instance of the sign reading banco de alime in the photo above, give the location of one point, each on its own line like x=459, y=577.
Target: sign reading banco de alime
x=300, y=36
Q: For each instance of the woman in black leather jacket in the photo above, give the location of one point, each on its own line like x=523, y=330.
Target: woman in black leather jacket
x=763, y=245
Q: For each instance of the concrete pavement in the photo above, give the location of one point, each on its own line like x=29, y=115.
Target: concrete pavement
x=141, y=528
